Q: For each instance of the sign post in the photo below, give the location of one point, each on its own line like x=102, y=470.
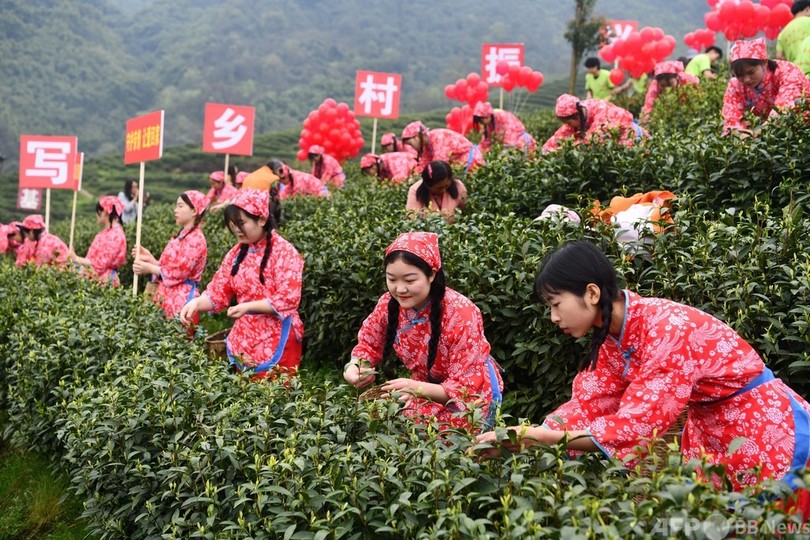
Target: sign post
x=376, y=95
x=77, y=176
x=492, y=54
x=144, y=142
x=46, y=162
x=228, y=129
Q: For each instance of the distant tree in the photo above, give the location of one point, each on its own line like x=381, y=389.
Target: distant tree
x=584, y=33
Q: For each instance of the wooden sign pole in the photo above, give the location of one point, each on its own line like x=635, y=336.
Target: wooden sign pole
x=374, y=137
x=141, y=187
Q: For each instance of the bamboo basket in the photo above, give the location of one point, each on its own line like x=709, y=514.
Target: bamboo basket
x=150, y=290
x=375, y=392
x=215, y=345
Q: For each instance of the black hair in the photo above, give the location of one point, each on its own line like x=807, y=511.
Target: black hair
x=128, y=183
x=435, y=297
x=571, y=268
x=197, y=217
x=593, y=62
x=36, y=232
x=317, y=167
x=737, y=66
x=435, y=172
x=395, y=143
x=665, y=77
x=714, y=48
x=489, y=129
x=582, y=115
x=278, y=166
x=233, y=218
x=113, y=214
x=799, y=6
x=233, y=170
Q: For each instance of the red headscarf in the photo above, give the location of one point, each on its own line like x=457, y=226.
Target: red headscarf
x=108, y=203
x=424, y=245
x=672, y=66
x=483, y=109
x=253, y=201
x=566, y=106
x=753, y=50
x=316, y=149
x=34, y=222
x=368, y=160
x=413, y=129
x=198, y=200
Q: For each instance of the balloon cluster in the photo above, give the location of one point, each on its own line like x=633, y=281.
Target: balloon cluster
x=333, y=126
x=460, y=119
x=470, y=90
x=699, y=39
x=639, y=51
x=739, y=19
x=514, y=75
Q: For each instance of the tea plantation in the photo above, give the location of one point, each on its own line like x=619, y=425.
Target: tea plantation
x=160, y=441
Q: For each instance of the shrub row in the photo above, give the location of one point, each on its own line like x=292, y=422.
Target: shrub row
x=163, y=443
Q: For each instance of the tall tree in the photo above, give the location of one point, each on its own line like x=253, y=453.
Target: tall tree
x=584, y=33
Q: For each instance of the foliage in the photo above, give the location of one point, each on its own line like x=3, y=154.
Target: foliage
x=161, y=442
x=584, y=33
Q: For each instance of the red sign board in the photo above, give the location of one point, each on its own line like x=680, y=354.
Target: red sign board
x=144, y=140
x=492, y=53
x=616, y=29
x=47, y=161
x=228, y=129
x=29, y=199
x=376, y=94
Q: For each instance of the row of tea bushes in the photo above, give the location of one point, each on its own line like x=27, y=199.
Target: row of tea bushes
x=161, y=442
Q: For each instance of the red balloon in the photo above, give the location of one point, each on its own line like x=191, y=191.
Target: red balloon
x=633, y=43
x=461, y=89
x=616, y=76
x=712, y=3
x=301, y=155
x=329, y=102
x=507, y=83
x=772, y=32
x=728, y=12
x=780, y=16
x=647, y=34
x=502, y=67
x=662, y=50
x=514, y=70
x=524, y=76
x=762, y=13
x=713, y=22
x=608, y=54
x=658, y=33
x=473, y=79
x=770, y=4
x=342, y=108
x=450, y=91
x=745, y=10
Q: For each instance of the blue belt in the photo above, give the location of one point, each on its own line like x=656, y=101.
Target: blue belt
x=526, y=137
x=194, y=285
x=497, y=397
x=470, y=157
x=113, y=273
x=639, y=131
x=286, y=325
x=762, y=378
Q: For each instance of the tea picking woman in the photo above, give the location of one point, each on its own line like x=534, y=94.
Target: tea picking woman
x=325, y=167
x=584, y=121
x=437, y=192
x=441, y=144
x=40, y=247
x=263, y=273
x=436, y=332
x=648, y=360
x=761, y=86
x=502, y=127
x=108, y=252
x=181, y=265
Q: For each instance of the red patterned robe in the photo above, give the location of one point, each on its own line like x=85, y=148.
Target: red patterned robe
x=227, y=193
x=601, y=118
x=254, y=338
x=329, y=170
x=653, y=91
x=397, y=166
x=49, y=250
x=181, y=267
x=509, y=131
x=108, y=253
x=779, y=89
x=463, y=362
x=303, y=184
x=450, y=146
x=670, y=356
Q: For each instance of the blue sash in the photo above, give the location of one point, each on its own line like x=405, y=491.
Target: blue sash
x=113, y=273
x=194, y=285
x=497, y=397
x=470, y=157
x=286, y=325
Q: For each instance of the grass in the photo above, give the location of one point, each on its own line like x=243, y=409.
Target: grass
x=34, y=501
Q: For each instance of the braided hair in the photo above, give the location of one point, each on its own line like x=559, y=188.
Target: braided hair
x=436, y=171
x=582, y=116
x=235, y=217
x=113, y=215
x=571, y=268
x=435, y=297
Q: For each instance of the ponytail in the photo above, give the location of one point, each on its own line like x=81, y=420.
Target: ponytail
x=582, y=113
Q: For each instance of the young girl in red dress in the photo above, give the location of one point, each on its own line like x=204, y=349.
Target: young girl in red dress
x=436, y=332
x=649, y=359
x=263, y=272
x=181, y=265
x=108, y=252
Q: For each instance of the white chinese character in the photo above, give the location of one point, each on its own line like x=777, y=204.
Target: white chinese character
x=620, y=31
x=495, y=55
x=29, y=199
x=229, y=127
x=50, y=160
x=378, y=92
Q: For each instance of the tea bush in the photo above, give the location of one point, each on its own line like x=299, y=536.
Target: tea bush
x=161, y=442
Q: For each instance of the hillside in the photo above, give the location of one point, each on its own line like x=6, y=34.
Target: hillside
x=119, y=58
